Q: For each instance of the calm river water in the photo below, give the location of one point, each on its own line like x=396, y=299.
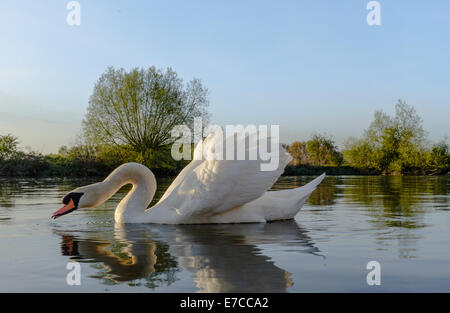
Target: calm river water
x=401, y=222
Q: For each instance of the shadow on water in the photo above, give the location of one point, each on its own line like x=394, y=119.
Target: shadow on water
x=221, y=258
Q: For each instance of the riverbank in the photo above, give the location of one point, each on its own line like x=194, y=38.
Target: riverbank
x=57, y=167
x=308, y=170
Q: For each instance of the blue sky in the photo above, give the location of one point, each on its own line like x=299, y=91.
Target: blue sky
x=309, y=66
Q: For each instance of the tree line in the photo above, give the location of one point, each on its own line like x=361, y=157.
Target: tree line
x=390, y=145
x=131, y=115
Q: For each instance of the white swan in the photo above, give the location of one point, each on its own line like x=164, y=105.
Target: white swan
x=206, y=191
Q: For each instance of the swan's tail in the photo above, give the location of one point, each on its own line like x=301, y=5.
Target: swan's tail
x=312, y=185
x=294, y=200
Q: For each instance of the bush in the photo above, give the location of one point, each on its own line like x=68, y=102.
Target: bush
x=320, y=150
x=397, y=145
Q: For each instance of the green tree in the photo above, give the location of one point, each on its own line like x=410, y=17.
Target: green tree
x=360, y=153
x=323, y=151
x=138, y=109
x=438, y=159
x=8, y=146
x=320, y=150
x=390, y=144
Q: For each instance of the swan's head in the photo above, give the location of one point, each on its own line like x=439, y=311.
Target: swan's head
x=71, y=202
x=83, y=197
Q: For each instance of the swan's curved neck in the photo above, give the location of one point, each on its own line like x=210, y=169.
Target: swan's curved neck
x=132, y=207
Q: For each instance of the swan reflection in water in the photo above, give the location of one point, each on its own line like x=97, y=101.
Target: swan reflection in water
x=222, y=258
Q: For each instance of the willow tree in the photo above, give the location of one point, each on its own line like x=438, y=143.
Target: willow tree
x=139, y=108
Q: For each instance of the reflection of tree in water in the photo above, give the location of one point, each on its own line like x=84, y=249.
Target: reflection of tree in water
x=165, y=268
x=145, y=262
x=398, y=204
x=7, y=190
x=402, y=199
x=326, y=192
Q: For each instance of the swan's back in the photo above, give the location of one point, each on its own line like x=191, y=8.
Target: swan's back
x=213, y=187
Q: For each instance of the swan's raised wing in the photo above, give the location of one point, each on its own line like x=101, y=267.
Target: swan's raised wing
x=213, y=186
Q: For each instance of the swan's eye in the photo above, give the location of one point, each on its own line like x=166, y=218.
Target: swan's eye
x=66, y=199
x=75, y=196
